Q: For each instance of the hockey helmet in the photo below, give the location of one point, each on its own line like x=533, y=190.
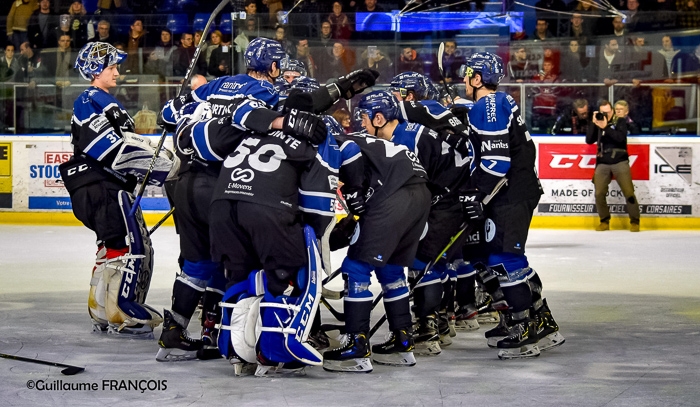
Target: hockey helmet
x=94, y=57
x=488, y=65
x=303, y=83
x=294, y=65
x=379, y=101
x=333, y=126
x=261, y=53
x=410, y=81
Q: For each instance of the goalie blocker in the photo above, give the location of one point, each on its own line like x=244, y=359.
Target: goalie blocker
x=273, y=331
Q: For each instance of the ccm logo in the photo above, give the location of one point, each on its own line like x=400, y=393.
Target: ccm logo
x=74, y=170
x=577, y=161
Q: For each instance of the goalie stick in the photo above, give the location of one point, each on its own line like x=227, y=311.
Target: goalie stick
x=453, y=239
x=185, y=83
x=68, y=370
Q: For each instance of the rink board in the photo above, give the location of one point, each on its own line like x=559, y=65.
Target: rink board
x=31, y=189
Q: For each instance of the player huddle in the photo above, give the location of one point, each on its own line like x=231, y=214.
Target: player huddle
x=447, y=193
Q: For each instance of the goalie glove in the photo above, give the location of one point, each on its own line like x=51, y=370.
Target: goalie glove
x=135, y=155
x=304, y=126
x=472, y=208
x=353, y=83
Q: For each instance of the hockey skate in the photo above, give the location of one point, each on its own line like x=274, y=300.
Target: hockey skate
x=210, y=334
x=175, y=342
x=521, y=343
x=466, y=318
x=319, y=340
x=548, y=330
x=444, y=330
x=266, y=367
x=396, y=351
x=353, y=355
x=426, y=337
x=500, y=331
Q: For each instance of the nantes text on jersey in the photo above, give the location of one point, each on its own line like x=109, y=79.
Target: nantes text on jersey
x=388, y=166
x=503, y=148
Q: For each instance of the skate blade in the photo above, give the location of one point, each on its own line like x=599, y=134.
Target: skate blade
x=445, y=340
x=263, y=370
x=144, y=332
x=467, y=325
x=428, y=348
x=175, y=355
x=551, y=341
x=359, y=365
x=395, y=359
x=525, y=351
x=453, y=329
x=243, y=368
x=488, y=318
x=493, y=341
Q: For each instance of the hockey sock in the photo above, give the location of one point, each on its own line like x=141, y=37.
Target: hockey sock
x=427, y=299
x=519, y=298
x=536, y=288
x=357, y=314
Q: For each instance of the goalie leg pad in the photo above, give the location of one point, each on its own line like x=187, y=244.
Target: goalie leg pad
x=287, y=321
x=96, y=298
x=128, y=276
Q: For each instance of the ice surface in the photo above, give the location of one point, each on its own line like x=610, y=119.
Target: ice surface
x=628, y=305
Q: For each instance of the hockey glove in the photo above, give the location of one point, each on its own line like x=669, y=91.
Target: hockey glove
x=304, y=126
x=460, y=112
x=457, y=141
x=472, y=209
x=355, y=82
x=342, y=233
x=355, y=200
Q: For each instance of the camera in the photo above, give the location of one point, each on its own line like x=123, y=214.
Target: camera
x=599, y=116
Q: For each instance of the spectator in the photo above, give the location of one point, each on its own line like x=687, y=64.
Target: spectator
x=304, y=55
x=542, y=32
x=544, y=98
x=668, y=63
x=573, y=63
x=408, y=61
x=574, y=120
x=450, y=64
x=135, y=45
x=340, y=24
x=18, y=21
x=338, y=63
x=30, y=63
x=281, y=37
x=160, y=61
x=182, y=56
x=633, y=15
x=619, y=30
x=273, y=7
x=58, y=63
x=373, y=58
x=220, y=61
x=610, y=63
x=610, y=134
x=324, y=43
x=107, y=7
x=78, y=24
x=343, y=117
x=579, y=29
x=370, y=6
x=250, y=8
x=688, y=14
x=547, y=11
x=103, y=32
x=10, y=69
x=241, y=42
x=520, y=67
x=42, y=25
x=215, y=42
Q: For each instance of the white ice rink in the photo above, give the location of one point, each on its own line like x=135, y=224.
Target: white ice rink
x=628, y=305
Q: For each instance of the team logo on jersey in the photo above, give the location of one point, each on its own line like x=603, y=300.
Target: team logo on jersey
x=242, y=175
x=489, y=230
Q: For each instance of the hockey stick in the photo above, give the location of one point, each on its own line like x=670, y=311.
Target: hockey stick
x=440, y=54
x=185, y=84
x=160, y=222
x=68, y=370
x=453, y=239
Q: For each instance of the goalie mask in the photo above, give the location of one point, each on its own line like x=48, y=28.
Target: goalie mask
x=94, y=57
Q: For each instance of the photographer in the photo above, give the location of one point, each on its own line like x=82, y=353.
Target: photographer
x=574, y=120
x=610, y=131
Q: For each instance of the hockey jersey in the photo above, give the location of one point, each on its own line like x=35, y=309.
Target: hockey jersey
x=387, y=166
x=504, y=148
x=97, y=125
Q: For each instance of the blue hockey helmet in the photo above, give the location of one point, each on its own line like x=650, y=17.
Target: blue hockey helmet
x=303, y=83
x=94, y=57
x=333, y=126
x=379, y=101
x=261, y=53
x=410, y=81
x=294, y=65
x=489, y=65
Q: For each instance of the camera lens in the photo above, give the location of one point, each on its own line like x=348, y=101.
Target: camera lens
x=599, y=116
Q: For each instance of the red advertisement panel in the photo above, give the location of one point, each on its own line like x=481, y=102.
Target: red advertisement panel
x=577, y=161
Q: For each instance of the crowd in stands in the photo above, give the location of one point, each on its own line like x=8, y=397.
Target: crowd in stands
x=579, y=42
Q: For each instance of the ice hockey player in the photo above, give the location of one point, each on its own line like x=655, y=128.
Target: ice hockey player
x=393, y=208
x=447, y=171
x=506, y=150
x=108, y=161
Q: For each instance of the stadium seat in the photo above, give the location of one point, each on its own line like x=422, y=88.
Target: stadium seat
x=177, y=23
x=225, y=24
x=200, y=21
